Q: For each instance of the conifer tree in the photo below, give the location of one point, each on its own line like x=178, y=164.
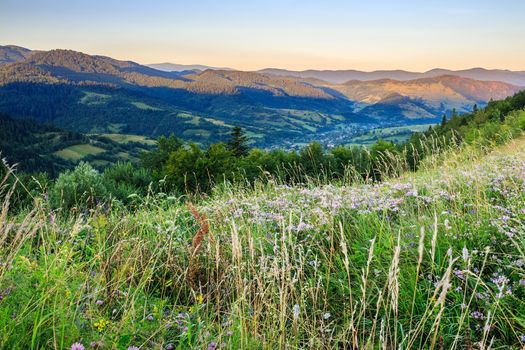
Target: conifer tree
x=444, y=120
x=238, y=142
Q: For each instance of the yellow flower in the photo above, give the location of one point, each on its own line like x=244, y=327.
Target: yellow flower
x=101, y=324
x=200, y=299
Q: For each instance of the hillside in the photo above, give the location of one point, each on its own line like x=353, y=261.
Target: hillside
x=423, y=97
x=12, y=53
x=36, y=147
x=432, y=257
x=96, y=94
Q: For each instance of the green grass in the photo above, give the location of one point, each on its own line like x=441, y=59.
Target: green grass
x=144, y=106
x=196, y=132
x=93, y=98
x=428, y=260
x=194, y=121
x=78, y=152
x=216, y=122
x=124, y=139
x=116, y=127
x=394, y=134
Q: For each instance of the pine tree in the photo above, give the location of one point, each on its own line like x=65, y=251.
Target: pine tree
x=444, y=120
x=238, y=142
x=475, y=109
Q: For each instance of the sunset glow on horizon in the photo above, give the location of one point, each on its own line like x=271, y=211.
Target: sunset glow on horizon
x=291, y=34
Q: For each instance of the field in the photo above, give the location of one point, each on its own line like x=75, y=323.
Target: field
x=393, y=134
x=93, y=98
x=78, y=152
x=144, y=106
x=123, y=138
x=428, y=260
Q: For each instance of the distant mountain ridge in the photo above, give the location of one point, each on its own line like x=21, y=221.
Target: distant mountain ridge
x=12, y=53
x=89, y=93
x=173, y=67
x=342, y=76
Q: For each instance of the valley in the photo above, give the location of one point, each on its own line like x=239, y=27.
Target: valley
x=97, y=94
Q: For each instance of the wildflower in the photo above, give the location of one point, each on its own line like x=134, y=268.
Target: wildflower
x=99, y=302
x=101, y=324
x=170, y=346
x=211, y=346
x=326, y=315
x=199, y=299
x=465, y=254
x=229, y=333
x=133, y=347
x=501, y=283
x=477, y=315
x=77, y=346
x=149, y=317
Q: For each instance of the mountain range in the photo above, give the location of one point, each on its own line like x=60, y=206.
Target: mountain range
x=173, y=67
x=98, y=94
x=342, y=76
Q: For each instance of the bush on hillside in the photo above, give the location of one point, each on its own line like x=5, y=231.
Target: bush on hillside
x=82, y=187
x=123, y=180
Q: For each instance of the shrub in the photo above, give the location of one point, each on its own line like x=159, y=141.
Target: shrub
x=82, y=188
x=123, y=180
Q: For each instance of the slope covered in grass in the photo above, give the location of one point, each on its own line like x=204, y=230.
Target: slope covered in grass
x=433, y=259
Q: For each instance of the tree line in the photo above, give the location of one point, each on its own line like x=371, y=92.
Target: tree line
x=179, y=168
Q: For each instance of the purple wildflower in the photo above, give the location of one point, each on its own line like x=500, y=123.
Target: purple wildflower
x=77, y=346
x=477, y=315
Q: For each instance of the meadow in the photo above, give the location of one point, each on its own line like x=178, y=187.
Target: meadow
x=425, y=260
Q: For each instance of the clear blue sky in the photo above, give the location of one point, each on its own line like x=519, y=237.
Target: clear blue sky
x=295, y=34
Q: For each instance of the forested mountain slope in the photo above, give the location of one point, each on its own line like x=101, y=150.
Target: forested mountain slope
x=96, y=94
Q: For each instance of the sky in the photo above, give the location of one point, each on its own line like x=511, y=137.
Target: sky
x=292, y=34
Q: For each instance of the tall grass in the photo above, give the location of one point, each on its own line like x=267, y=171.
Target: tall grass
x=432, y=260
